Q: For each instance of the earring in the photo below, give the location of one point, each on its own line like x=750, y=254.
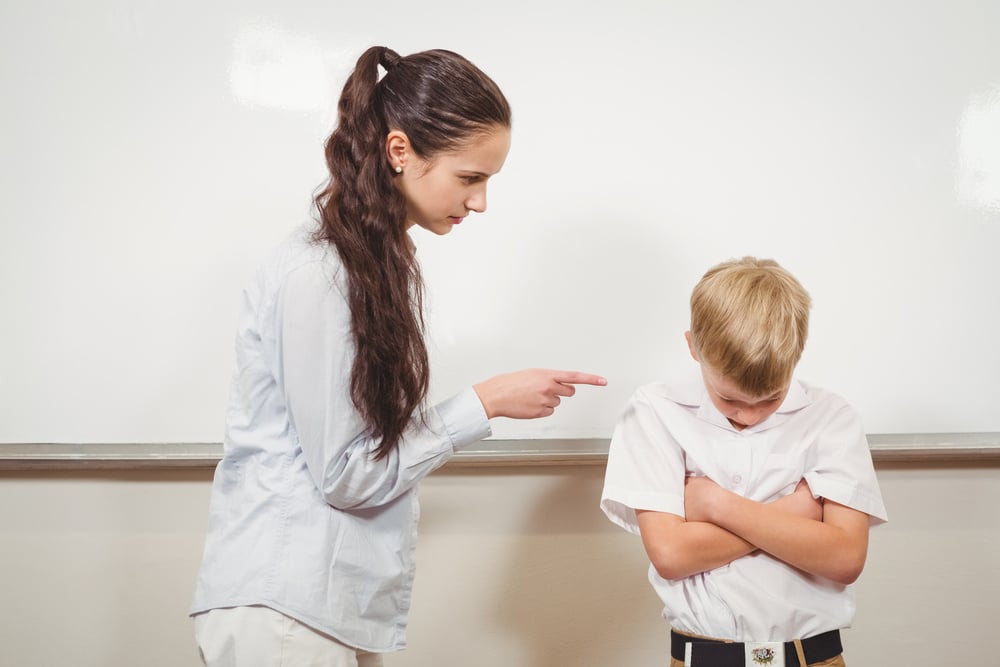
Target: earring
x=399, y=170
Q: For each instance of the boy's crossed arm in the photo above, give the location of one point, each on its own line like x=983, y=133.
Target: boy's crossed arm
x=828, y=539
x=835, y=547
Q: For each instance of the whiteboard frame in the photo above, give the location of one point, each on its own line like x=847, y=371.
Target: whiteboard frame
x=885, y=448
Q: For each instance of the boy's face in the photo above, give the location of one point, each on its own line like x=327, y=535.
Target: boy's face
x=739, y=408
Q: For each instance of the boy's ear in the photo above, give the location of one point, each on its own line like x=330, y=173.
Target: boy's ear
x=694, y=355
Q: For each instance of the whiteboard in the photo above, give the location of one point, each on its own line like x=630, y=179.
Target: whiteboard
x=153, y=152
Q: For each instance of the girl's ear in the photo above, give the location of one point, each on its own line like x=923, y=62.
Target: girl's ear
x=694, y=355
x=397, y=147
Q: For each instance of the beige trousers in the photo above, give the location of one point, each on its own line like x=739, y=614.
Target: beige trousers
x=261, y=637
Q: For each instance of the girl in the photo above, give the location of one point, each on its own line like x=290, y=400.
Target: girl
x=312, y=528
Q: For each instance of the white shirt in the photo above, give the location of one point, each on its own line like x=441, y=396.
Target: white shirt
x=302, y=520
x=669, y=431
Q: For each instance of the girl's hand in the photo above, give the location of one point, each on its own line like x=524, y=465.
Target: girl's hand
x=530, y=393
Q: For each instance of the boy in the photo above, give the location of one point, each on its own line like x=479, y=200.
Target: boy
x=753, y=492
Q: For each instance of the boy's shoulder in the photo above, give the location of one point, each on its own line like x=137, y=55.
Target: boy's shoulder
x=821, y=398
x=683, y=389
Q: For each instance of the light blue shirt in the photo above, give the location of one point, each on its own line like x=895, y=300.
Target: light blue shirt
x=302, y=519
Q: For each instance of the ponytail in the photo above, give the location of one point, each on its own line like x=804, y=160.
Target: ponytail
x=441, y=101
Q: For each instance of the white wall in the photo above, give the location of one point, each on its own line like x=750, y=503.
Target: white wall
x=153, y=151
x=516, y=566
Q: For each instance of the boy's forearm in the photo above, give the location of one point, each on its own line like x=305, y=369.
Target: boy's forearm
x=834, y=548
x=679, y=548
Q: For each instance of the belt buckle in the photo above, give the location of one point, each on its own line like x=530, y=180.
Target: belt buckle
x=755, y=654
x=765, y=654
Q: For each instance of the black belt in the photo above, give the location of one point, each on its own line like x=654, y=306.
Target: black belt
x=816, y=649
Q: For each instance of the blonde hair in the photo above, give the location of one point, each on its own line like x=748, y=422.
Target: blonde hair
x=749, y=322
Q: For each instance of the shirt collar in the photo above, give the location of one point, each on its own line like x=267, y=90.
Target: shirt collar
x=692, y=392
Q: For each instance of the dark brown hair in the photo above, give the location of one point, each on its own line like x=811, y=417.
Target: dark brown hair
x=441, y=102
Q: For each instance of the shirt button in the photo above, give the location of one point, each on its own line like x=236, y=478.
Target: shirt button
x=737, y=479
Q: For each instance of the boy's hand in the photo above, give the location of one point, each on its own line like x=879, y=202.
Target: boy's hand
x=701, y=496
x=834, y=547
x=801, y=502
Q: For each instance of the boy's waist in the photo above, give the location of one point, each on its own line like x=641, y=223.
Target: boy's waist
x=755, y=598
x=729, y=653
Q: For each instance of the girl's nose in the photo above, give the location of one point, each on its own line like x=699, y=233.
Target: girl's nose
x=477, y=200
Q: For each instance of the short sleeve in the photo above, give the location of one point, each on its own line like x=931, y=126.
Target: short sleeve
x=645, y=463
x=841, y=468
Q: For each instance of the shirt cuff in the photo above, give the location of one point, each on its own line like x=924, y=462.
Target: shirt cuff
x=619, y=505
x=464, y=418
x=849, y=496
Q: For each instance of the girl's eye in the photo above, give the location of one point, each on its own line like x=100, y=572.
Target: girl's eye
x=470, y=180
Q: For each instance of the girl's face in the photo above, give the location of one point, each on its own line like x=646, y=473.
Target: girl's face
x=441, y=192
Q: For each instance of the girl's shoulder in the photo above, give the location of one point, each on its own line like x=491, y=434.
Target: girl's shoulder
x=300, y=263
x=301, y=252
